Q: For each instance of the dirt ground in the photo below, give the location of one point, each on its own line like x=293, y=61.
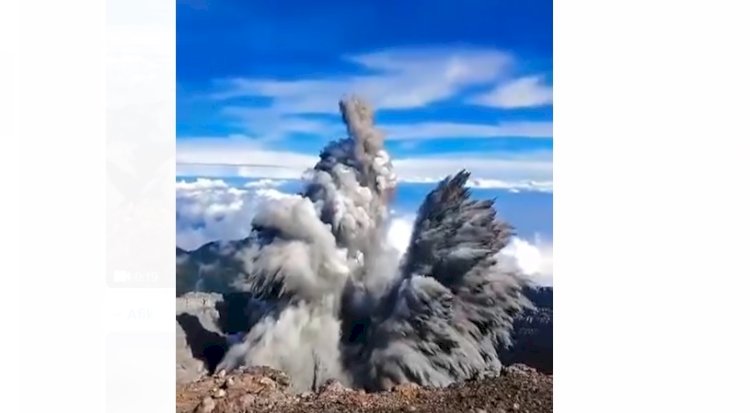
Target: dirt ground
x=260, y=389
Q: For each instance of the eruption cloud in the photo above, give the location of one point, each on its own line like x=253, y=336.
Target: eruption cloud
x=341, y=305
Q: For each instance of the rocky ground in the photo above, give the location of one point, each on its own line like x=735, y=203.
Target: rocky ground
x=261, y=389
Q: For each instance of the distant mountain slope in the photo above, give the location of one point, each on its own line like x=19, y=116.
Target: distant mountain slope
x=210, y=268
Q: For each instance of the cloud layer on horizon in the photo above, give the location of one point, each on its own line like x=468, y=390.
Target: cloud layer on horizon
x=215, y=210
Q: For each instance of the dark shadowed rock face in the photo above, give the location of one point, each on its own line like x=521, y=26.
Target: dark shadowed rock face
x=206, y=325
x=532, y=334
x=199, y=338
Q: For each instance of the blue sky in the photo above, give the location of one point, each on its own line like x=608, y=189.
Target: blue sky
x=455, y=86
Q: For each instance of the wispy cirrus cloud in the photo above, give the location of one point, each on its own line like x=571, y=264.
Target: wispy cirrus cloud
x=290, y=119
x=528, y=91
x=517, y=171
x=238, y=155
x=403, y=78
x=441, y=130
x=400, y=79
x=273, y=125
x=241, y=156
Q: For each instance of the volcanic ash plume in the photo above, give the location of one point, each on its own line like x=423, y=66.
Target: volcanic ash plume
x=340, y=303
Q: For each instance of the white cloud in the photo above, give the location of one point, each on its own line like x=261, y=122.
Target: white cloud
x=238, y=156
x=213, y=210
x=210, y=210
x=398, y=79
x=441, y=130
x=241, y=156
x=511, y=186
x=540, y=186
x=273, y=124
x=399, y=232
x=490, y=167
x=524, y=92
x=391, y=79
x=534, y=259
x=237, y=150
x=200, y=184
x=265, y=183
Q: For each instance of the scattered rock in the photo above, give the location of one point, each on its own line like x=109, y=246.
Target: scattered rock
x=521, y=369
x=332, y=386
x=266, y=381
x=258, y=389
x=407, y=389
x=247, y=400
x=207, y=405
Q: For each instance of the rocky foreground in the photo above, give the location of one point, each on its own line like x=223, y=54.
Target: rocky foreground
x=261, y=389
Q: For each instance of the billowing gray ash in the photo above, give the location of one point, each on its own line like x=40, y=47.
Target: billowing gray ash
x=341, y=305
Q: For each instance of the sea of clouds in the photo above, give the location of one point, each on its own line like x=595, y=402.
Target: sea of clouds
x=221, y=210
